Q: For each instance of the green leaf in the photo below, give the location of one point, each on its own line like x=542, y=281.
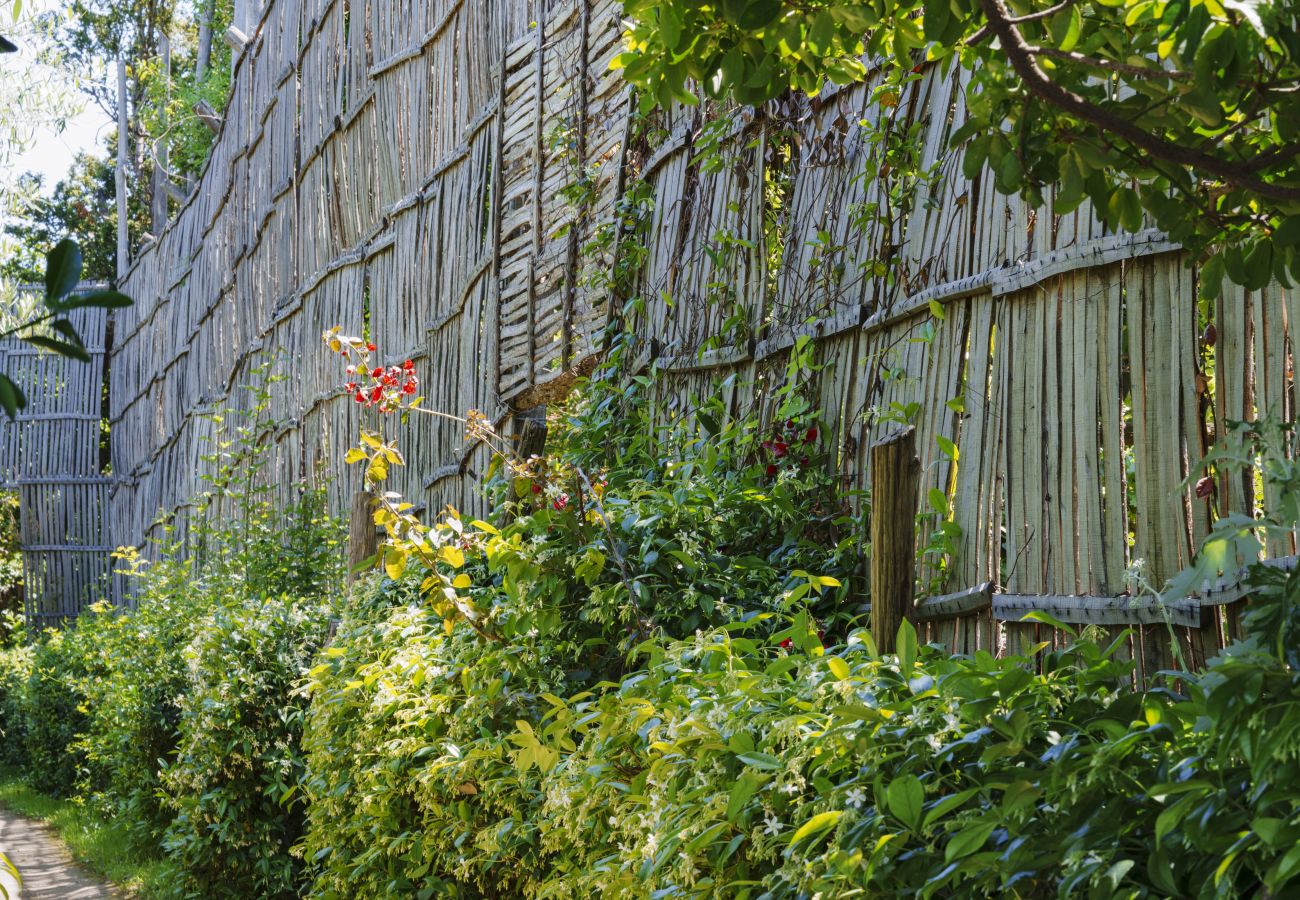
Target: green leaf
x=63, y=348
x=1044, y=618
x=1287, y=233
x=816, y=825
x=62, y=271
x=907, y=647
x=12, y=398
x=759, y=760
x=946, y=805
x=839, y=668
x=968, y=840
x=745, y=788
x=1285, y=869
x=904, y=797
x=99, y=299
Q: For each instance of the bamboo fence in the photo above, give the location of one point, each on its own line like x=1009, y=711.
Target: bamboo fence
x=50, y=455
x=449, y=173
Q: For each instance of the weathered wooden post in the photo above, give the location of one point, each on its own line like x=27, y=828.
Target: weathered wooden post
x=363, y=541
x=895, y=482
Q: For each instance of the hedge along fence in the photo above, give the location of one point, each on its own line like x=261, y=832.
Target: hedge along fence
x=449, y=172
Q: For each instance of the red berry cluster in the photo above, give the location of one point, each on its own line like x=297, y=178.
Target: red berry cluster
x=380, y=386
x=782, y=445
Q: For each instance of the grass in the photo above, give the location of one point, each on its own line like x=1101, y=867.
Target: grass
x=102, y=847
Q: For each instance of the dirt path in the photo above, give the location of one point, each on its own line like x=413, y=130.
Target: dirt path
x=49, y=873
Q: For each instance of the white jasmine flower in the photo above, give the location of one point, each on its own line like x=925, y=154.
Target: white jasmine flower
x=774, y=825
x=856, y=797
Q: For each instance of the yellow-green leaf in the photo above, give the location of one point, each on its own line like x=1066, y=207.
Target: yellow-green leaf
x=816, y=825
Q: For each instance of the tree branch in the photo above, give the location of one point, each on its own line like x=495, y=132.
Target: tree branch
x=1020, y=55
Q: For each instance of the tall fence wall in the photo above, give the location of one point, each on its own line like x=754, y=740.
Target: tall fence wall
x=448, y=172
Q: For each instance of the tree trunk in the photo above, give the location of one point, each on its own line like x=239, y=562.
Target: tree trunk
x=123, y=136
x=161, y=173
x=205, y=42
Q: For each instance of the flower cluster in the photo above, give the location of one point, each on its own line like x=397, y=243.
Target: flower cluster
x=385, y=387
x=782, y=445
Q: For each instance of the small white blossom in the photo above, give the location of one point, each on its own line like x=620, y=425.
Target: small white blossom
x=774, y=825
x=856, y=797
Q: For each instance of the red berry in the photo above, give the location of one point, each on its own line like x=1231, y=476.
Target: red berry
x=786, y=644
x=371, y=347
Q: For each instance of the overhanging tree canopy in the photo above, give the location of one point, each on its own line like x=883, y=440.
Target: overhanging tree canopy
x=1188, y=110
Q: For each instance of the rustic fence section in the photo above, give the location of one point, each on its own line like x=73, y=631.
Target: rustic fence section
x=447, y=174
x=50, y=455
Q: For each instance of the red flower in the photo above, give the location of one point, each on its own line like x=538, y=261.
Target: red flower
x=561, y=502
x=377, y=394
x=786, y=644
x=804, y=462
x=376, y=373
x=409, y=387
x=811, y=435
x=537, y=488
x=779, y=448
x=359, y=398
x=408, y=366
x=771, y=469
x=1205, y=487
x=371, y=347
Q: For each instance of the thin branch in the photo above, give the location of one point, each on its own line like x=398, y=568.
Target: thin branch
x=1021, y=57
x=1044, y=14
x=1106, y=65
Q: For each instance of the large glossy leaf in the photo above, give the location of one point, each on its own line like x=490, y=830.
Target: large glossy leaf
x=62, y=272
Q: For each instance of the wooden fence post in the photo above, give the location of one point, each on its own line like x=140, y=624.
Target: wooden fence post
x=895, y=482
x=363, y=542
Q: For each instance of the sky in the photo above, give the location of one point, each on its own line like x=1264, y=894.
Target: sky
x=52, y=152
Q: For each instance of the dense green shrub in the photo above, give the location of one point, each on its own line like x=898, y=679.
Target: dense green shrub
x=134, y=710
x=54, y=710
x=231, y=785
x=731, y=767
x=15, y=668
